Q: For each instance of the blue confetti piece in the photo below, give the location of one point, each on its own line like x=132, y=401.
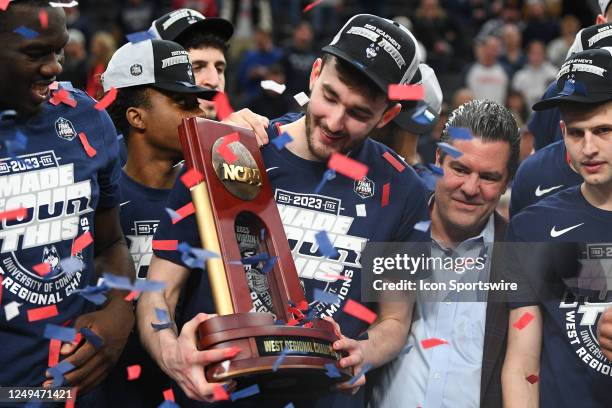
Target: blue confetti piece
x=117, y=282
x=406, y=350
x=96, y=298
x=147, y=285
x=329, y=174
x=72, y=265
x=33, y=404
x=262, y=234
x=58, y=371
x=67, y=85
x=280, y=359
x=568, y=88
x=445, y=147
x=26, y=32
x=325, y=297
x=459, y=133
x=168, y=404
x=139, y=36
x=162, y=315
x=255, y=259
x=421, y=115
x=161, y=326
x=194, y=257
x=437, y=171
x=172, y=214
x=289, y=405
x=325, y=246
x=17, y=145
x=94, y=294
x=245, y=393
x=282, y=140
x=53, y=331
x=332, y=371
x=366, y=367
x=92, y=337
x=422, y=226
x=269, y=264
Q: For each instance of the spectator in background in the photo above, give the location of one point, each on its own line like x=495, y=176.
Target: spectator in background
x=517, y=104
x=509, y=14
x=136, y=15
x=513, y=58
x=486, y=77
x=207, y=7
x=540, y=26
x=269, y=103
x=297, y=60
x=254, y=65
x=558, y=48
x=74, y=19
x=75, y=60
x=101, y=50
x=460, y=97
x=533, y=79
x=246, y=17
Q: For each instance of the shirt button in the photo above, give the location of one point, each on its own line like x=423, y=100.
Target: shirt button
x=437, y=376
x=448, y=302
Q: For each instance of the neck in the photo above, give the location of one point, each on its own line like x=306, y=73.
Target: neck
x=150, y=169
x=448, y=235
x=599, y=196
x=407, y=147
x=299, y=144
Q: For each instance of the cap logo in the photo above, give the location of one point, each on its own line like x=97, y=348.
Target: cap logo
x=602, y=33
x=591, y=69
x=178, y=57
x=388, y=43
x=136, y=70
x=174, y=17
x=371, y=51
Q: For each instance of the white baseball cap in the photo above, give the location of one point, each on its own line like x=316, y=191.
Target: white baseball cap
x=603, y=4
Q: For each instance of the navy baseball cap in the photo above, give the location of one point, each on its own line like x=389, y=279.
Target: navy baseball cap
x=384, y=50
x=178, y=24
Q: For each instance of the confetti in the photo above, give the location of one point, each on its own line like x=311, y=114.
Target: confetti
x=43, y=19
x=16, y=145
x=222, y=106
x=364, y=369
x=282, y=140
x=269, y=264
x=523, y=321
x=360, y=209
x=279, y=360
x=191, y=178
x=19, y=213
x=301, y=98
x=406, y=350
x=195, y=257
x=445, y=147
x=148, y=285
x=227, y=153
x=347, y=166
x=139, y=36
x=402, y=92
x=437, y=171
x=4, y=4
x=433, y=342
x=133, y=372
x=64, y=5
x=62, y=96
x=117, y=282
x=172, y=214
x=422, y=115
x=72, y=265
x=460, y=133
x=325, y=245
x=255, y=259
x=26, y=32
x=311, y=6
x=394, y=162
x=219, y=393
x=422, y=226
x=81, y=242
x=131, y=296
x=332, y=371
x=273, y=86
x=41, y=313
x=386, y=191
x=107, y=99
x=54, y=352
x=165, y=245
x=359, y=311
x=42, y=268
x=169, y=395
x=53, y=331
x=325, y=297
x=58, y=371
x=532, y=379
x=289, y=405
x=11, y=310
x=163, y=318
x=183, y=212
x=168, y=404
x=92, y=337
x=91, y=152
x=329, y=174
x=245, y=392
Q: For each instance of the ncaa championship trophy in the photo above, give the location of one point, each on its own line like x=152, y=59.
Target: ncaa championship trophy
x=236, y=187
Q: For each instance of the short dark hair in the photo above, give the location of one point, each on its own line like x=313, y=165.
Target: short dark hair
x=137, y=97
x=352, y=77
x=489, y=121
x=197, y=39
x=13, y=4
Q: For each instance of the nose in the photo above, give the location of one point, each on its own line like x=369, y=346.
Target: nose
x=471, y=185
x=52, y=67
x=589, y=148
x=334, y=120
x=209, y=77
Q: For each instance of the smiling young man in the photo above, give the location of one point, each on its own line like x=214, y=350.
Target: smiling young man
x=65, y=176
x=348, y=100
x=560, y=343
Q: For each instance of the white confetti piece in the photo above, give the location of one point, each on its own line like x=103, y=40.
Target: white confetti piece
x=11, y=310
x=361, y=210
x=301, y=98
x=422, y=226
x=225, y=364
x=65, y=5
x=273, y=86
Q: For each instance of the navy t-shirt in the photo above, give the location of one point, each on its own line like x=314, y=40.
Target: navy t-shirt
x=542, y=174
x=574, y=372
x=61, y=187
x=545, y=124
x=141, y=209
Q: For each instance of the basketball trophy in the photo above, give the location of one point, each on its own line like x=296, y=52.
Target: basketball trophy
x=235, y=197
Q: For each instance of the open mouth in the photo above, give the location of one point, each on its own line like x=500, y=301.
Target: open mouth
x=329, y=138
x=40, y=91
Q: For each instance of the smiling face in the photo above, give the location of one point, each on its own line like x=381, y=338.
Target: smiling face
x=29, y=66
x=340, y=117
x=471, y=187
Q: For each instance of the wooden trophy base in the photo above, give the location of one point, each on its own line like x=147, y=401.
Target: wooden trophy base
x=261, y=342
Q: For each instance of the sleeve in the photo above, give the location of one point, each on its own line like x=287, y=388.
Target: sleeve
x=108, y=176
x=518, y=200
x=186, y=230
x=414, y=212
x=515, y=270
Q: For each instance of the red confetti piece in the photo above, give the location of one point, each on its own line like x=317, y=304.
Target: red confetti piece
x=43, y=18
x=4, y=4
x=169, y=395
x=433, y=342
x=184, y=212
x=62, y=96
x=359, y=311
x=386, y=192
x=77, y=338
x=296, y=312
x=133, y=372
x=219, y=393
x=131, y=296
x=81, y=242
x=71, y=402
x=191, y=178
x=165, y=245
x=347, y=166
x=54, y=352
x=222, y=106
x=107, y=99
x=523, y=321
x=394, y=162
x=303, y=305
x=292, y=322
x=20, y=212
x=42, y=268
x=308, y=325
x=397, y=92
x=41, y=313
x=533, y=379
x=227, y=154
x=334, y=276
x=91, y=152
x=311, y=6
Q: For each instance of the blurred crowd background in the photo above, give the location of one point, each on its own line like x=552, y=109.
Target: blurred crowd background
x=504, y=50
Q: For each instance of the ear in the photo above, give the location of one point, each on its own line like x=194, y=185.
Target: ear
x=389, y=114
x=438, y=158
x=315, y=72
x=601, y=19
x=563, y=127
x=136, y=117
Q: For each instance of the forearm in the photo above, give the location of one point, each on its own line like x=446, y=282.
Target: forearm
x=517, y=391
x=385, y=341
